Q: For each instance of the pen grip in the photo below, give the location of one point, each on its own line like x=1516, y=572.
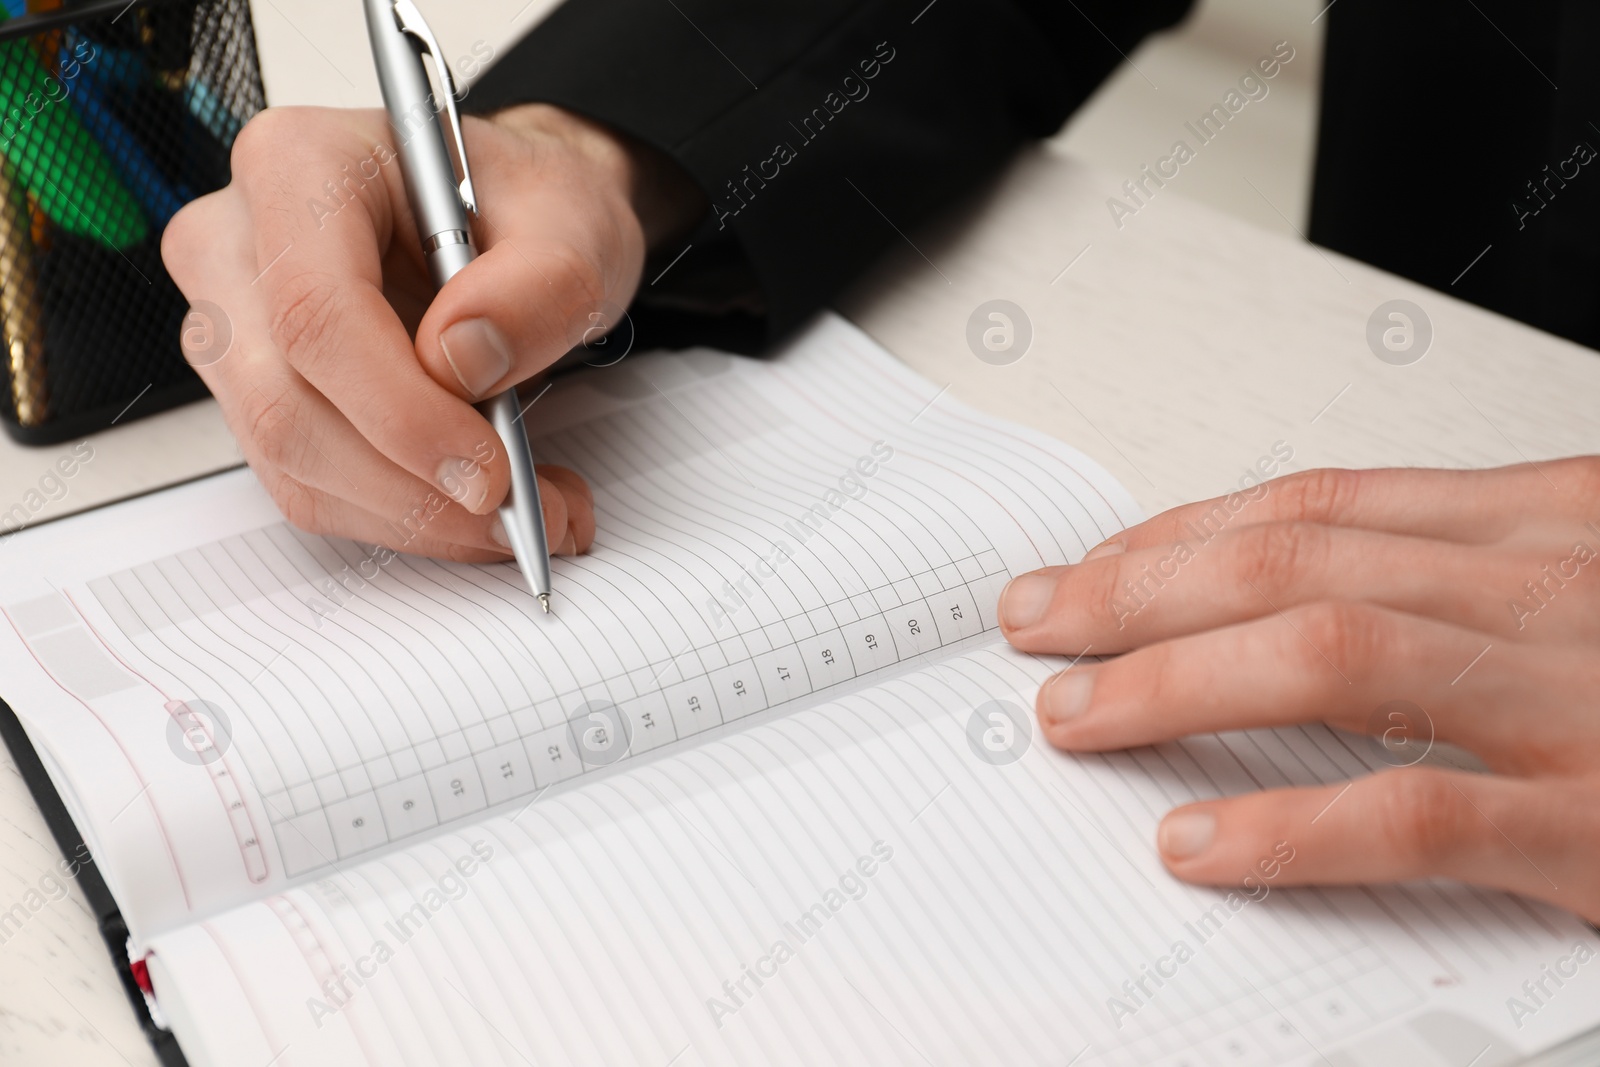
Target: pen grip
x=504, y=412
x=445, y=261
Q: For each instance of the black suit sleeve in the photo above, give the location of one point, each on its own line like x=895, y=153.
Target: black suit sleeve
x=1495, y=122
x=816, y=128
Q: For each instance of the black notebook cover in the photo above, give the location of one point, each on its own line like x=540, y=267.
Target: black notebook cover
x=105, y=909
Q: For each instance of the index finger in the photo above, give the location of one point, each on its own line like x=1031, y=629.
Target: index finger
x=323, y=286
x=1466, y=507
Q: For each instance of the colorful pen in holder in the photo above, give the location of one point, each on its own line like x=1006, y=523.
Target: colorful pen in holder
x=112, y=117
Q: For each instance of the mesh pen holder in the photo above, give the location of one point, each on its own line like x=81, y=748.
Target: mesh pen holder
x=112, y=117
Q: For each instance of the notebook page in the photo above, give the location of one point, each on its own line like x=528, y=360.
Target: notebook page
x=856, y=883
x=237, y=704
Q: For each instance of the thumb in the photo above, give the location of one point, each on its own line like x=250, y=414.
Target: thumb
x=508, y=315
x=561, y=245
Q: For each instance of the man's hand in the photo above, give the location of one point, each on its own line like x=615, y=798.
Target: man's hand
x=1474, y=596
x=347, y=382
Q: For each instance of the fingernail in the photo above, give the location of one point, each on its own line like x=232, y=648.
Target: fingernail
x=497, y=534
x=1186, y=834
x=1024, y=600
x=464, y=481
x=1066, y=696
x=478, y=353
x=1105, y=548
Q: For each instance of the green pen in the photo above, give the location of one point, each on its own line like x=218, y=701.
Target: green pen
x=56, y=159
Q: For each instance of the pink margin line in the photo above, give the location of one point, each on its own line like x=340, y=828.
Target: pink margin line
x=210, y=930
x=167, y=697
x=154, y=810
x=356, y=1030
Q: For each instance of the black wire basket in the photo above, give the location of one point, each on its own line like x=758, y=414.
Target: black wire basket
x=112, y=116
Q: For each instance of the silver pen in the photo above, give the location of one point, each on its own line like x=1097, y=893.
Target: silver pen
x=400, y=40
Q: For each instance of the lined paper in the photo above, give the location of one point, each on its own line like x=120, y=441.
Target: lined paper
x=766, y=539
x=933, y=907
x=740, y=801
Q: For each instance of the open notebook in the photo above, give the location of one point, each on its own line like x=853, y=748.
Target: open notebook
x=765, y=789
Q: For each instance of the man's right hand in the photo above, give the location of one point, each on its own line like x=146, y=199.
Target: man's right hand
x=348, y=383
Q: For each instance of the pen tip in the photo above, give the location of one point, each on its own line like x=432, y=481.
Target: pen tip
x=544, y=598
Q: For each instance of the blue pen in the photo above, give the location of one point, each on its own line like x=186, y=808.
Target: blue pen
x=144, y=179
x=126, y=70
x=218, y=119
x=122, y=69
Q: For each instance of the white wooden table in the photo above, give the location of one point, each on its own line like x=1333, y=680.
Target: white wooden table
x=1176, y=351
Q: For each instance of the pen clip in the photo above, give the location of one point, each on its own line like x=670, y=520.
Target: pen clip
x=411, y=21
